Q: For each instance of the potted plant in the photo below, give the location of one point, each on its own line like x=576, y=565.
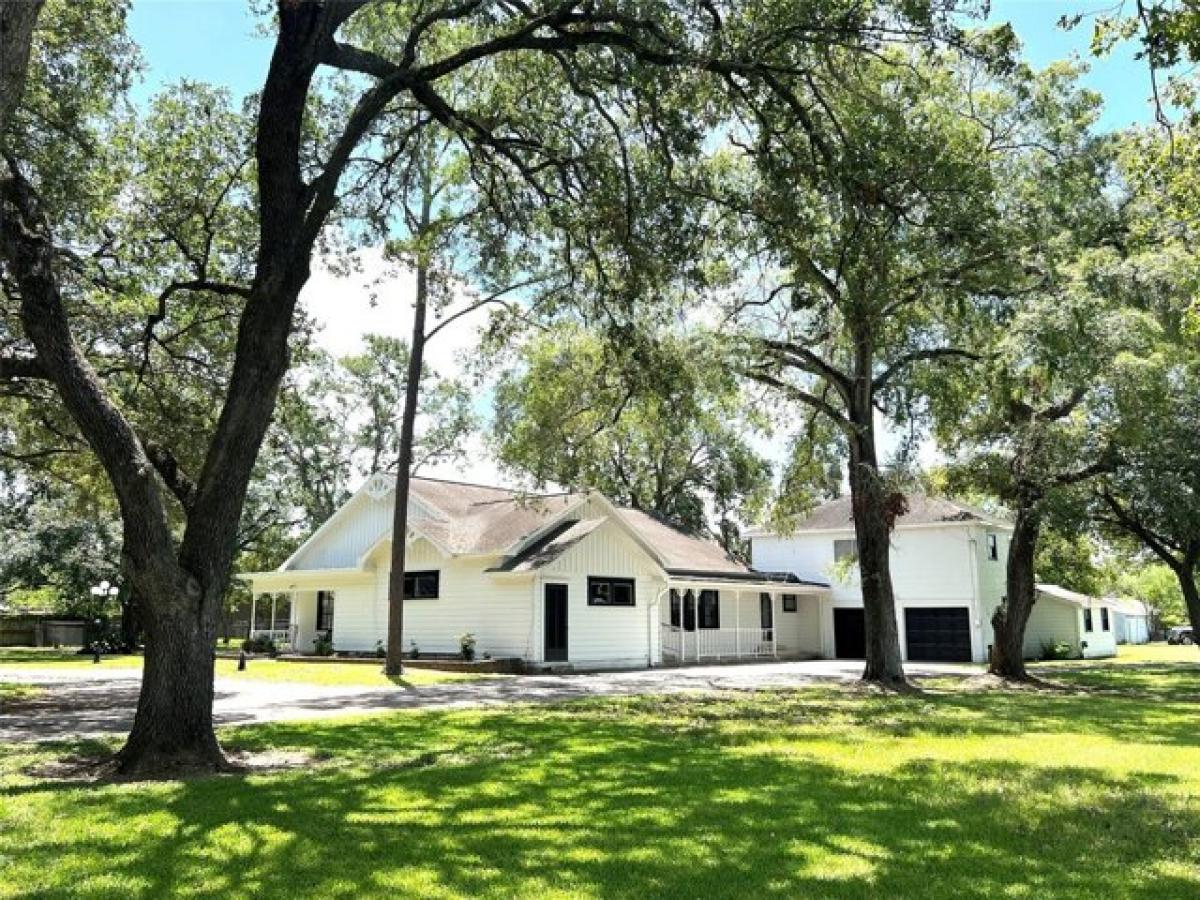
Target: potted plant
x=415, y=652
x=466, y=643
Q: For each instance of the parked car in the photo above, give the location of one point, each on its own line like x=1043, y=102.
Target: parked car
x=1181, y=634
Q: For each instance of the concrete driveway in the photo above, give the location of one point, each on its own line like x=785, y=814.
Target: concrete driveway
x=87, y=703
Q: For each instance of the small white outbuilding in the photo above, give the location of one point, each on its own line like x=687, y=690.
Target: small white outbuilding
x=1133, y=621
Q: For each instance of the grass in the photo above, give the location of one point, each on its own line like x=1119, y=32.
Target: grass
x=1150, y=671
x=818, y=792
x=342, y=674
x=19, y=693
x=348, y=674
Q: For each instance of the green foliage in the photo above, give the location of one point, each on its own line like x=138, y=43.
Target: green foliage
x=1069, y=559
x=657, y=423
x=1155, y=585
x=1052, y=650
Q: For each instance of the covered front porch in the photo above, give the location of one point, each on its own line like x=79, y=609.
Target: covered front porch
x=714, y=620
x=298, y=610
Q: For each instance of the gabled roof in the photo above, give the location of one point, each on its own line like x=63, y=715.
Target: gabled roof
x=837, y=515
x=1084, y=601
x=479, y=520
x=529, y=531
x=1128, y=607
x=551, y=545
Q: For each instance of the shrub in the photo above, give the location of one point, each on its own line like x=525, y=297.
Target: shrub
x=1056, y=650
x=260, y=645
x=323, y=645
x=415, y=652
x=380, y=650
x=466, y=643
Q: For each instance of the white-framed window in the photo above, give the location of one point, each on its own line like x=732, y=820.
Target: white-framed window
x=422, y=585
x=993, y=547
x=845, y=548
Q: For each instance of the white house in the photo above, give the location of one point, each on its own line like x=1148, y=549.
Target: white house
x=1087, y=625
x=549, y=578
x=1133, y=621
x=948, y=575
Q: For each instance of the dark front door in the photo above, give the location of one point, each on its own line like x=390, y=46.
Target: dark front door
x=940, y=634
x=849, y=634
x=556, y=623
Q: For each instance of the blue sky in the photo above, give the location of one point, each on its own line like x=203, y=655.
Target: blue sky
x=216, y=41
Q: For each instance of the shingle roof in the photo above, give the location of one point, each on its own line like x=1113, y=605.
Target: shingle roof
x=679, y=549
x=922, y=510
x=550, y=546
x=480, y=520
x=1078, y=599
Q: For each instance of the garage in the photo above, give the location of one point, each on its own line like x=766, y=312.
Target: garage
x=849, y=634
x=938, y=634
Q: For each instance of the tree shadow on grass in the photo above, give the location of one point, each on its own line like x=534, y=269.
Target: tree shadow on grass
x=605, y=802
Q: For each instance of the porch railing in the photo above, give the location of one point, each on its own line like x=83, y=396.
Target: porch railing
x=680, y=645
x=278, y=635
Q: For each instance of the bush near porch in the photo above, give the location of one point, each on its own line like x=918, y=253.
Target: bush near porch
x=819, y=792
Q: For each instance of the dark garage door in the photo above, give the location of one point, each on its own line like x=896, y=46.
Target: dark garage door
x=849, y=634
x=942, y=634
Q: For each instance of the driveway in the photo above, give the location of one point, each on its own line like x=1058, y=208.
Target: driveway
x=87, y=703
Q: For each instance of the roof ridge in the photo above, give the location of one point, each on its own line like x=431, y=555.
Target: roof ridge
x=515, y=498
x=475, y=484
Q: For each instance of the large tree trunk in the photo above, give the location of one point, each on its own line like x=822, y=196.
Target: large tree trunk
x=17, y=22
x=1186, y=574
x=173, y=729
x=1012, y=615
x=871, y=504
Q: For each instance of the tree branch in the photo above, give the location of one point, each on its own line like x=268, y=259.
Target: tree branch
x=881, y=381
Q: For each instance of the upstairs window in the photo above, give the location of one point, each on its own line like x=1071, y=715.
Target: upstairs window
x=610, y=591
x=710, y=609
x=845, y=548
x=421, y=585
x=1104, y=618
x=1087, y=620
x=993, y=547
x=789, y=602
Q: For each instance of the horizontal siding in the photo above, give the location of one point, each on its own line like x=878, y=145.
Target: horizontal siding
x=1052, y=621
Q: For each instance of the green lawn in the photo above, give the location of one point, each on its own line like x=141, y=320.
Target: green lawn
x=819, y=792
x=348, y=674
x=1158, y=671
x=19, y=692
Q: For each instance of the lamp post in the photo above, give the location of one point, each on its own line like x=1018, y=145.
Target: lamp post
x=104, y=590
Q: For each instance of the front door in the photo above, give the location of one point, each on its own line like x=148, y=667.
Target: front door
x=556, y=623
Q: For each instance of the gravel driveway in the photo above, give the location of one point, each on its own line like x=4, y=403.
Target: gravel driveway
x=83, y=702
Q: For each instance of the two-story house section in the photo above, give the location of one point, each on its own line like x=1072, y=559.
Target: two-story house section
x=948, y=573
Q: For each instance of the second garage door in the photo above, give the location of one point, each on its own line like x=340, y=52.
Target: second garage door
x=938, y=634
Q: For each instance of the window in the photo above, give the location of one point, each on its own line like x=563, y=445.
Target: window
x=689, y=611
x=993, y=547
x=610, y=592
x=676, y=608
x=324, y=611
x=1104, y=618
x=845, y=549
x=1087, y=620
x=421, y=585
x=789, y=602
x=710, y=609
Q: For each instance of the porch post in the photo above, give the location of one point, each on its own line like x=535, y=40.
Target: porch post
x=737, y=624
x=253, y=611
x=273, y=598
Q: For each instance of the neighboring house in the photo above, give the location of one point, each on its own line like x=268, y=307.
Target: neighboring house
x=1086, y=624
x=550, y=578
x=948, y=575
x=1133, y=621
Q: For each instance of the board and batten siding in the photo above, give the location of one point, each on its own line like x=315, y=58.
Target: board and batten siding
x=496, y=610
x=609, y=636
x=355, y=528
